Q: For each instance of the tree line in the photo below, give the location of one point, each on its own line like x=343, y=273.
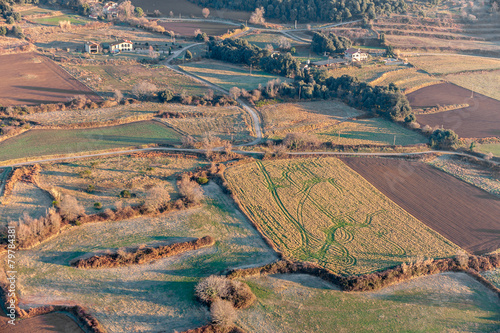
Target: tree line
x=330, y=43
x=312, y=10
x=241, y=52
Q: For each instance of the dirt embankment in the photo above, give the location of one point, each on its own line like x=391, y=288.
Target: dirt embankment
x=481, y=119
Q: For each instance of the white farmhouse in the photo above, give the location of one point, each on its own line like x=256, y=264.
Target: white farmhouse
x=123, y=45
x=353, y=54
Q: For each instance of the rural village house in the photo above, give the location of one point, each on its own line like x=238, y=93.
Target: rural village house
x=354, y=54
x=123, y=45
x=92, y=47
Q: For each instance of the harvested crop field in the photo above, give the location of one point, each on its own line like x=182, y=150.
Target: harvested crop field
x=463, y=213
x=189, y=27
x=481, y=119
x=53, y=142
x=153, y=297
x=319, y=210
x=30, y=79
x=483, y=82
x=446, y=64
x=297, y=303
x=48, y=323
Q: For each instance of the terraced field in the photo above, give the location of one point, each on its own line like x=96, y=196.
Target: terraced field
x=447, y=64
x=320, y=210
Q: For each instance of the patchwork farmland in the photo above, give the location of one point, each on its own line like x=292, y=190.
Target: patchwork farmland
x=29, y=79
x=463, y=213
x=480, y=119
x=320, y=210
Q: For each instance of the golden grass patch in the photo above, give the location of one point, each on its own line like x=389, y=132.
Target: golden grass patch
x=484, y=82
x=447, y=64
x=320, y=210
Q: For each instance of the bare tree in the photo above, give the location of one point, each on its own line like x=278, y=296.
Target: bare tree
x=257, y=16
x=284, y=43
x=156, y=198
x=197, y=32
x=213, y=287
x=144, y=89
x=126, y=9
x=205, y=12
x=118, y=95
x=187, y=141
x=190, y=189
x=270, y=47
x=222, y=313
x=65, y=25
x=209, y=95
x=171, y=14
x=70, y=209
x=235, y=92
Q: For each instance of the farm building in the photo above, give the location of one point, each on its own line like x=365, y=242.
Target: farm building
x=354, y=54
x=328, y=62
x=110, y=8
x=123, y=45
x=92, y=47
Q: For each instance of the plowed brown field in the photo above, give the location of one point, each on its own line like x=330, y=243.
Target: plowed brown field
x=481, y=119
x=30, y=79
x=463, y=213
x=52, y=322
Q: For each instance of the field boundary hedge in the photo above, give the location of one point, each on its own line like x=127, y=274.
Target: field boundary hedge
x=373, y=281
x=142, y=255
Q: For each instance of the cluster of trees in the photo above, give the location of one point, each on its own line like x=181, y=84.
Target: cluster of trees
x=16, y=31
x=329, y=43
x=8, y=12
x=311, y=10
x=240, y=51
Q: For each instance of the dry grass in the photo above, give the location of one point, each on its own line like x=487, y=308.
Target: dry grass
x=447, y=302
x=320, y=210
x=447, y=64
x=486, y=83
x=414, y=42
x=283, y=118
x=406, y=79
x=25, y=198
x=366, y=73
x=111, y=175
x=144, y=298
x=228, y=123
x=468, y=172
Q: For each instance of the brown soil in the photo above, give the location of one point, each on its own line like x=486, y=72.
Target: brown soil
x=30, y=79
x=466, y=215
x=480, y=120
x=52, y=322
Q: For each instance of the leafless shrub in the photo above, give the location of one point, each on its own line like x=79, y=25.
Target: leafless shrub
x=157, y=198
x=205, y=12
x=190, y=190
x=65, y=25
x=70, y=209
x=117, y=94
x=488, y=156
x=212, y=288
x=144, y=90
x=284, y=43
x=301, y=141
x=222, y=313
x=462, y=258
x=235, y=93
x=257, y=16
x=269, y=47
x=187, y=141
x=29, y=231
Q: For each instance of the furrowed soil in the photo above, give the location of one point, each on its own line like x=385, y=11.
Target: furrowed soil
x=480, y=120
x=463, y=213
x=319, y=210
x=48, y=323
x=30, y=79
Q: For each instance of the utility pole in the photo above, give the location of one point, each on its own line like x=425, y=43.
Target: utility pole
x=300, y=89
x=394, y=141
x=250, y=69
x=295, y=24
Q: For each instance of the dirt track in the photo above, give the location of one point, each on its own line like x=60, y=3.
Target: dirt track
x=480, y=120
x=49, y=323
x=466, y=215
x=30, y=79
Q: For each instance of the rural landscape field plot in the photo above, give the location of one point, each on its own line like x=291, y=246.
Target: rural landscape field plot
x=153, y=297
x=320, y=210
x=106, y=78
x=229, y=75
x=188, y=28
x=52, y=142
x=439, y=303
x=29, y=79
x=471, y=173
x=49, y=323
x=282, y=118
x=54, y=20
x=483, y=82
x=228, y=123
x=261, y=39
x=25, y=198
x=188, y=9
x=366, y=73
x=111, y=175
x=373, y=131
x=406, y=79
x=447, y=64
x=493, y=148
x=463, y=213
x=480, y=119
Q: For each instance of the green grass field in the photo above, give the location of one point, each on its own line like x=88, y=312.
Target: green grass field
x=490, y=148
x=53, y=142
x=54, y=20
x=377, y=131
x=320, y=210
x=229, y=75
x=451, y=302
